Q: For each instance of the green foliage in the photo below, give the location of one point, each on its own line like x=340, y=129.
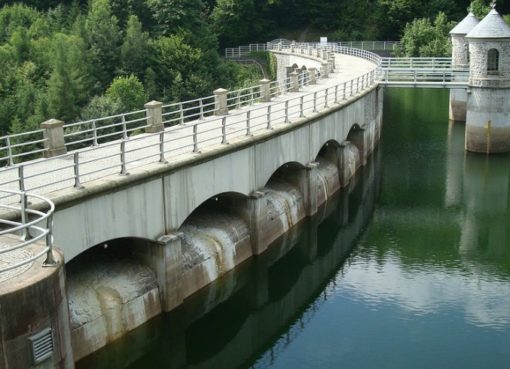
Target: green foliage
x=133, y=52
x=128, y=92
x=424, y=38
x=102, y=35
x=480, y=8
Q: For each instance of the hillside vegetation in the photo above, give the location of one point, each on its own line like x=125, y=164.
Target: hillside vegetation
x=75, y=60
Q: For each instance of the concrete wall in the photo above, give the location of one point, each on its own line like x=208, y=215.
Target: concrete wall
x=156, y=200
x=285, y=59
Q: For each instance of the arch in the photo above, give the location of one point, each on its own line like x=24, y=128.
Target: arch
x=223, y=202
x=327, y=148
x=492, y=61
x=284, y=171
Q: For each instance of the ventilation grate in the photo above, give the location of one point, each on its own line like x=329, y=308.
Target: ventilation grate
x=42, y=345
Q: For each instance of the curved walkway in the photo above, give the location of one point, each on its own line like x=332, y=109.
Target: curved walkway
x=104, y=163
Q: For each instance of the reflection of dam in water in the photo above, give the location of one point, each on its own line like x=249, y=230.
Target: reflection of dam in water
x=260, y=298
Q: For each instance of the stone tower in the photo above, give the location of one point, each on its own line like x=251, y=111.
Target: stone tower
x=460, y=61
x=488, y=106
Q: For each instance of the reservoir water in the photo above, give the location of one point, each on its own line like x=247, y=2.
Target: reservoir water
x=407, y=268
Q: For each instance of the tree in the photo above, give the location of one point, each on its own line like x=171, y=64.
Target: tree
x=133, y=52
x=102, y=35
x=480, y=8
x=422, y=38
x=67, y=86
x=128, y=92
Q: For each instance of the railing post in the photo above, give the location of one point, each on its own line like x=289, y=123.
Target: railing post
x=315, y=102
x=21, y=178
x=220, y=101
x=294, y=82
x=345, y=90
x=336, y=94
x=54, y=138
x=195, y=137
x=326, y=98
x=312, y=76
x=269, y=117
x=248, y=122
x=287, y=112
x=224, y=130
x=162, y=147
x=123, y=169
x=124, y=127
x=181, y=113
x=9, y=150
x=25, y=233
x=154, y=117
x=324, y=70
x=301, y=107
x=50, y=259
x=265, y=90
x=76, y=169
x=94, y=133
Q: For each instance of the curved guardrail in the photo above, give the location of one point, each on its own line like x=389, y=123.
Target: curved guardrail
x=191, y=127
x=32, y=225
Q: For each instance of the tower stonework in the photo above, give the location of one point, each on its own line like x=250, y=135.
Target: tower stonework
x=488, y=106
x=460, y=61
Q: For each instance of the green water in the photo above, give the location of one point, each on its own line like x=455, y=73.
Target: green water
x=410, y=268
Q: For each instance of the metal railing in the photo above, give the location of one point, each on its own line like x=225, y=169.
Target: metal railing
x=408, y=77
x=30, y=224
x=244, y=51
x=194, y=127
x=414, y=63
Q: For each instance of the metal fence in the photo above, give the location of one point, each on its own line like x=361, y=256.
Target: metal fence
x=247, y=50
x=194, y=127
x=30, y=224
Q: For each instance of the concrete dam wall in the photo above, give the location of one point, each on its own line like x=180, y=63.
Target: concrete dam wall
x=111, y=295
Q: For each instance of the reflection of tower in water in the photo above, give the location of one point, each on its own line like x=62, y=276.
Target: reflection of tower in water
x=479, y=184
x=485, y=229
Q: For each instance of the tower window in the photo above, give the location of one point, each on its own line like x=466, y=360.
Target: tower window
x=492, y=61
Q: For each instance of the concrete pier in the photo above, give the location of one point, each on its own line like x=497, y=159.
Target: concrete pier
x=34, y=315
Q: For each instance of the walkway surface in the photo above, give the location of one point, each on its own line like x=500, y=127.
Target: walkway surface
x=47, y=176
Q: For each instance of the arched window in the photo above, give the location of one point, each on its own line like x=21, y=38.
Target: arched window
x=493, y=61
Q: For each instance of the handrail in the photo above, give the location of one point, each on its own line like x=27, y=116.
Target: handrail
x=191, y=130
x=244, y=51
x=32, y=225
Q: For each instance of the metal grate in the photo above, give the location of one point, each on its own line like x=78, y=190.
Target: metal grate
x=41, y=345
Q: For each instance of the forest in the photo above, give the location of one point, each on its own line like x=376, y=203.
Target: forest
x=75, y=60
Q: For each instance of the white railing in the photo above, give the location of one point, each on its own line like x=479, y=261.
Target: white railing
x=416, y=63
x=244, y=51
x=410, y=76
x=30, y=225
x=194, y=128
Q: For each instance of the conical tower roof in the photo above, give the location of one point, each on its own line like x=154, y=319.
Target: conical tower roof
x=492, y=26
x=466, y=25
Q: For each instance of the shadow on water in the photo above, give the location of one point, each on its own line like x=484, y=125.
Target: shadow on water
x=240, y=319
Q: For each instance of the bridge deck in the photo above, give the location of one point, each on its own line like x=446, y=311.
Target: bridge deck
x=46, y=176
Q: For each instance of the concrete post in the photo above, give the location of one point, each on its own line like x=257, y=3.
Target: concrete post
x=220, y=101
x=154, y=117
x=265, y=90
x=312, y=76
x=324, y=70
x=256, y=217
x=310, y=189
x=165, y=259
x=358, y=139
x=54, y=138
x=331, y=61
x=294, y=82
x=343, y=166
x=325, y=54
x=318, y=52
